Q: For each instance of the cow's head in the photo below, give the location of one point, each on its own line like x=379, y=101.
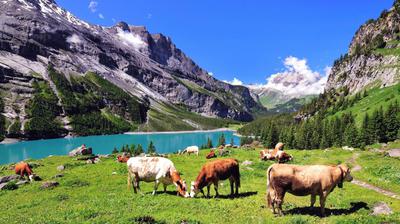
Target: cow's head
x=180, y=184
x=279, y=146
x=344, y=175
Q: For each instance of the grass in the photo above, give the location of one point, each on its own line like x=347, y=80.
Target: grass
x=89, y=193
x=377, y=97
x=176, y=118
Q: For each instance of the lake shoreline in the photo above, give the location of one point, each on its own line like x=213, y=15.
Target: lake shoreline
x=10, y=141
x=178, y=132
x=7, y=141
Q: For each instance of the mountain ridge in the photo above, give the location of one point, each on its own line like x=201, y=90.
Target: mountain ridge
x=37, y=34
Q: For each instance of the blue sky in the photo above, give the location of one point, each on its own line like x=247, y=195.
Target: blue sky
x=248, y=40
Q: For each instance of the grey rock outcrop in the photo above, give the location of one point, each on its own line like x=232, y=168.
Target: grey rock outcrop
x=372, y=60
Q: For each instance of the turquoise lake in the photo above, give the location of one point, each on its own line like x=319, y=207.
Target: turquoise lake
x=104, y=144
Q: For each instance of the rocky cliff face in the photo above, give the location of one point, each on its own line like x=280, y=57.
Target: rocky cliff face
x=37, y=33
x=373, y=57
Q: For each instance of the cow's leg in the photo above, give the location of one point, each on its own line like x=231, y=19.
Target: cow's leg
x=216, y=189
x=279, y=195
x=165, y=188
x=231, y=181
x=136, y=186
x=322, y=199
x=208, y=190
x=313, y=198
x=156, y=183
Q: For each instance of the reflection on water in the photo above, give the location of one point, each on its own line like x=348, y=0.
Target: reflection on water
x=165, y=143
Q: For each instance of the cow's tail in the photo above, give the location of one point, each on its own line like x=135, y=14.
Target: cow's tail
x=269, y=199
x=130, y=176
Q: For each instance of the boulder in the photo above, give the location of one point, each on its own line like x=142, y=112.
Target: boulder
x=394, y=153
x=89, y=161
x=114, y=173
x=104, y=156
x=96, y=160
x=61, y=168
x=49, y=184
x=22, y=182
x=81, y=151
x=247, y=163
x=6, y=179
x=381, y=208
x=8, y=186
x=348, y=148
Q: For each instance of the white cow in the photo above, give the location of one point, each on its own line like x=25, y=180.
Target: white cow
x=157, y=169
x=191, y=149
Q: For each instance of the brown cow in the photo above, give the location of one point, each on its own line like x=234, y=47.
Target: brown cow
x=213, y=172
x=23, y=169
x=303, y=180
x=211, y=154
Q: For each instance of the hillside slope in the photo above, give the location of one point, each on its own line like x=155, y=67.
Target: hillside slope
x=149, y=68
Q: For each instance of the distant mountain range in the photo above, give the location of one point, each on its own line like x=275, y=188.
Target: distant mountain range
x=37, y=36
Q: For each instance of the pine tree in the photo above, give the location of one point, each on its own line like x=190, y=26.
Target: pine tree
x=139, y=149
x=132, y=150
x=351, y=135
x=365, y=133
x=209, y=143
x=221, y=140
x=392, y=121
x=115, y=150
x=151, y=149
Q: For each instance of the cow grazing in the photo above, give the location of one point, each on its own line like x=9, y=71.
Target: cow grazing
x=23, y=169
x=303, y=180
x=123, y=158
x=157, y=170
x=213, y=172
x=191, y=149
x=211, y=155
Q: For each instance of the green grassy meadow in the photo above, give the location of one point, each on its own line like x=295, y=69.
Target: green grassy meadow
x=90, y=193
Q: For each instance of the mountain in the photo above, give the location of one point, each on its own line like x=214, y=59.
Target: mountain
x=290, y=86
x=373, y=56
x=46, y=54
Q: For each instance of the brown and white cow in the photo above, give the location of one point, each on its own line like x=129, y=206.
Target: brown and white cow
x=213, y=172
x=157, y=170
x=314, y=180
x=23, y=169
x=276, y=154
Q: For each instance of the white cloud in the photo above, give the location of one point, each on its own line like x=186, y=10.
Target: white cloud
x=149, y=15
x=131, y=39
x=93, y=6
x=101, y=16
x=210, y=74
x=234, y=82
x=74, y=39
x=297, y=79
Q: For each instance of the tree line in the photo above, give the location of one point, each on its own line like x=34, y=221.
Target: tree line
x=320, y=131
x=135, y=150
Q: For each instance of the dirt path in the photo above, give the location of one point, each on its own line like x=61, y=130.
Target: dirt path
x=366, y=185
